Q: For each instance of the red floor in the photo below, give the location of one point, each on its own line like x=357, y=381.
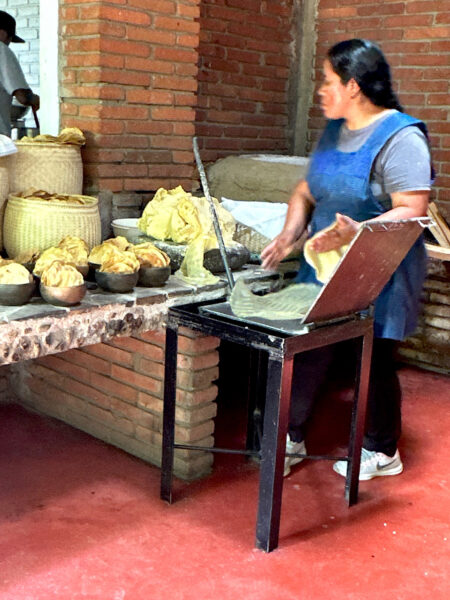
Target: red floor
x=82, y=520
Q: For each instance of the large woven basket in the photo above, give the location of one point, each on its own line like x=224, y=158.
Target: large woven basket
x=55, y=168
x=250, y=238
x=37, y=224
x=4, y=190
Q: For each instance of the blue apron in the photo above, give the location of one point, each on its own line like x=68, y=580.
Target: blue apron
x=340, y=182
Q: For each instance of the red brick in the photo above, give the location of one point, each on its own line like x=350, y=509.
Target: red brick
x=136, y=379
x=418, y=33
x=198, y=362
x=174, y=24
x=189, y=345
x=136, y=17
x=150, y=35
x=149, y=367
x=83, y=359
x=115, y=388
x=149, y=66
x=125, y=47
x=61, y=366
x=149, y=97
x=110, y=353
x=172, y=114
x=144, y=348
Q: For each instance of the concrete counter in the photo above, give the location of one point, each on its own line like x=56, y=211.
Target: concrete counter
x=99, y=366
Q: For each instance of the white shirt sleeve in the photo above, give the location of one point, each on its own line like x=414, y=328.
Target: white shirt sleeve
x=11, y=74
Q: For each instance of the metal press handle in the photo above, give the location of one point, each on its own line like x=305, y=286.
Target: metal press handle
x=217, y=229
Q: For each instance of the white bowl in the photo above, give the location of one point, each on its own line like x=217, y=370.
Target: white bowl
x=126, y=227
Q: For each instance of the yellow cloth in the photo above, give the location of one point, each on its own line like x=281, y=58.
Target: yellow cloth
x=179, y=216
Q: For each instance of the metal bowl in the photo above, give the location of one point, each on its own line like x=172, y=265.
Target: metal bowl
x=83, y=269
x=116, y=282
x=153, y=276
x=63, y=296
x=16, y=294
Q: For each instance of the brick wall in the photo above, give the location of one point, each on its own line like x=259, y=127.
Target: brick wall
x=244, y=69
x=429, y=347
x=26, y=13
x=414, y=34
x=114, y=391
x=129, y=77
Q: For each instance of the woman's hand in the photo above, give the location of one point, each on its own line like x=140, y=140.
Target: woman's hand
x=341, y=234
x=279, y=248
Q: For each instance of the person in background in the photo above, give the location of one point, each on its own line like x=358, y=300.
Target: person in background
x=12, y=79
x=371, y=162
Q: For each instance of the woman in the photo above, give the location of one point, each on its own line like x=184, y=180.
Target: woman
x=372, y=162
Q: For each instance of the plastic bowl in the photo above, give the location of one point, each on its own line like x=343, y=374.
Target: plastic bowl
x=116, y=282
x=153, y=276
x=16, y=294
x=62, y=296
x=127, y=228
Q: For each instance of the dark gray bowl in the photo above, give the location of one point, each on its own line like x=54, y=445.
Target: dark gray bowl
x=63, y=296
x=29, y=266
x=116, y=282
x=83, y=269
x=153, y=276
x=16, y=294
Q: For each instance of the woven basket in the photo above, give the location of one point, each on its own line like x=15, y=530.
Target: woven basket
x=37, y=225
x=55, y=168
x=251, y=239
x=4, y=190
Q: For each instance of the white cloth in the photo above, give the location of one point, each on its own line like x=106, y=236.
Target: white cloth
x=7, y=146
x=11, y=79
x=267, y=218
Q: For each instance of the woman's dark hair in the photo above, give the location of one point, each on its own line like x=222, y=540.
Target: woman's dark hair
x=364, y=62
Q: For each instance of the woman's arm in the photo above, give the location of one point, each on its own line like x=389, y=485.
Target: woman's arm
x=405, y=205
x=298, y=213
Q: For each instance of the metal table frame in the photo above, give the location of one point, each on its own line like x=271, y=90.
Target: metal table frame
x=281, y=349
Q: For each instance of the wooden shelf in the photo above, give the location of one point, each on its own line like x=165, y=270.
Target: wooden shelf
x=438, y=252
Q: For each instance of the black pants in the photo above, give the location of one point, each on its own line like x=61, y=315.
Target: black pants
x=383, y=424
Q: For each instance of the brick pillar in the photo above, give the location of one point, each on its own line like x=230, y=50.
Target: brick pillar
x=129, y=81
x=114, y=392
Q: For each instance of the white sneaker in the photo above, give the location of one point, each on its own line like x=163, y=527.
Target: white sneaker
x=293, y=448
x=373, y=464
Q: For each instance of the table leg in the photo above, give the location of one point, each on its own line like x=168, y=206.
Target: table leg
x=278, y=395
x=255, y=398
x=170, y=385
x=358, y=420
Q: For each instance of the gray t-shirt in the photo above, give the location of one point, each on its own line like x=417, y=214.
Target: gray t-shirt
x=11, y=79
x=402, y=165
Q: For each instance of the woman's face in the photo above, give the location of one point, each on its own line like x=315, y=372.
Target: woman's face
x=335, y=96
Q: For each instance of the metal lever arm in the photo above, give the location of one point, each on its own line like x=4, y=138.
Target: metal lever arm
x=217, y=229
